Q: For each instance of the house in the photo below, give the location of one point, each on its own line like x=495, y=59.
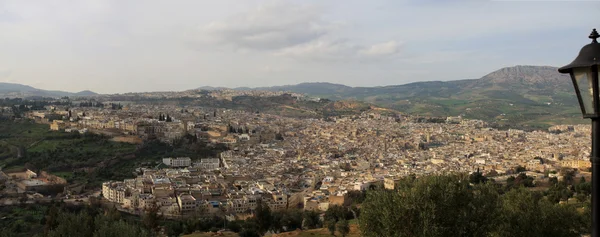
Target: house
x=390, y=182
x=178, y=162
x=57, y=125
x=187, y=202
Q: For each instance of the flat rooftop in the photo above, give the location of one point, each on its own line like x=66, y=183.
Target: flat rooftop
x=33, y=182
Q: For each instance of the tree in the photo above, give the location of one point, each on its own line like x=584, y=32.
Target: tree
x=343, y=227
x=568, y=175
x=584, y=187
x=311, y=220
x=356, y=196
x=51, y=219
x=477, y=177
x=430, y=206
x=559, y=192
x=173, y=228
x=151, y=217
x=250, y=229
x=249, y=233
x=263, y=217
x=336, y=213
x=525, y=213
x=331, y=226
x=70, y=224
x=292, y=219
x=276, y=224
x=107, y=228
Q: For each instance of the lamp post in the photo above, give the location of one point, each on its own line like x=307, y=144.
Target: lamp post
x=584, y=74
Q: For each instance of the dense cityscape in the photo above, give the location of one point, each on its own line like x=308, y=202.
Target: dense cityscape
x=282, y=118
x=284, y=163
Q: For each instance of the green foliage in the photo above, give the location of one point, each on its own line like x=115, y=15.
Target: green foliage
x=356, y=196
x=343, y=227
x=263, y=217
x=451, y=206
x=477, y=178
x=568, y=175
x=173, y=228
x=151, y=217
x=559, y=192
x=250, y=229
x=22, y=220
x=203, y=223
x=291, y=219
x=63, y=220
x=429, y=206
x=311, y=220
x=117, y=228
x=525, y=213
x=69, y=154
x=521, y=180
x=330, y=226
x=336, y=213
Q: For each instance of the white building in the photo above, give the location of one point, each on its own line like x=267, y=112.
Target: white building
x=209, y=163
x=178, y=162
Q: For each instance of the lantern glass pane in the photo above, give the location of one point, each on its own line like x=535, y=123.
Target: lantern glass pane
x=583, y=78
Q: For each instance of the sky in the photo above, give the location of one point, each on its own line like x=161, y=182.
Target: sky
x=157, y=45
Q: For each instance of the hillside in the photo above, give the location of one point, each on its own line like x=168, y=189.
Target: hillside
x=283, y=105
x=534, y=96
x=18, y=90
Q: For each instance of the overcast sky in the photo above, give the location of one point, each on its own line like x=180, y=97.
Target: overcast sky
x=146, y=45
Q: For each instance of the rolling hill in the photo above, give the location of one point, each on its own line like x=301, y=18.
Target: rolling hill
x=535, y=96
x=18, y=90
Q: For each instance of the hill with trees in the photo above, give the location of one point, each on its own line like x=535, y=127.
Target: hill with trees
x=533, y=96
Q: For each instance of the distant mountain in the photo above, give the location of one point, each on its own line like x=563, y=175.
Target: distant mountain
x=18, y=90
x=535, y=96
x=86, y=93
x=210, y=88
x=11, y=87
x=313, y=88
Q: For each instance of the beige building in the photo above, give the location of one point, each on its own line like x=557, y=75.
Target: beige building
x=114, y=192
x=576, y=164
x=57, y=125
x=186, y=202
x=390, y=183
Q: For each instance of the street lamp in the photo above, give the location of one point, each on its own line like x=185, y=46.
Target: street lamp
x=584, y=74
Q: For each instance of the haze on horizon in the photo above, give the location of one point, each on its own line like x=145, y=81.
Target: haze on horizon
x=130, y=46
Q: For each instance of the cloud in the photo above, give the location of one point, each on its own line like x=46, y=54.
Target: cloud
x=382, y=49
x=339, y=50
x=288, y=30
x=321, y=49
x=269, y=27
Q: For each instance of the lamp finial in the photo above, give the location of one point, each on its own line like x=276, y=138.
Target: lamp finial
x=594, y=35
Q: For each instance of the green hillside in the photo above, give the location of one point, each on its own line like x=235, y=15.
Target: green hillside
x=529, y=96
